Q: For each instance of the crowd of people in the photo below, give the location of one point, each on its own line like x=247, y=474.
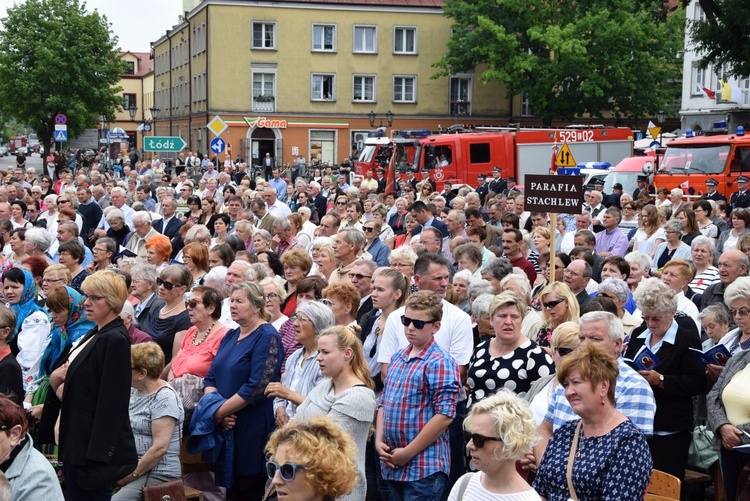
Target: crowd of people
x=323, y=335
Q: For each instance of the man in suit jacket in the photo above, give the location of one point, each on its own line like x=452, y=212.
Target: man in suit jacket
x=170, y=224
x=711, y=193
x=316, y=197
x=425, y=218
x=361, y=278
x=382, y=181
x=498, y=184
x=740, y=199
x=263, y=220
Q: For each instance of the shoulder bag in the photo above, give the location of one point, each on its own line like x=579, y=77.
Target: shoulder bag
x=571, y=458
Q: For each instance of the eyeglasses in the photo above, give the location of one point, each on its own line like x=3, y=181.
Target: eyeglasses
x=563, y=351
x=368, y=229
x=418, y=324
x=272, y=296
x=287, y=471
x=299, y=317
x=340, y=203
x=402, y=265
x=63, y=201
x=742, y=312
x=359, y=276
x=167, y=285
x=191, y=304
x=92, y=298
x=97, y=249
x=554, y=303
x=478, y=439
x=571, y=272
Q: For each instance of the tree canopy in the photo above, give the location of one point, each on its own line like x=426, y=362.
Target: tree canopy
x=55, y=57
x=722, y=38
x=571, y=58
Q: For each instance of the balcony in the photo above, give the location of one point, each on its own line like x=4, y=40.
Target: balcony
x=460, y=108
x=264, y=104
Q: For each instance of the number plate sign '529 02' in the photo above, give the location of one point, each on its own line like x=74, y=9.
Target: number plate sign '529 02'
x=163, y=143
x=555, y=194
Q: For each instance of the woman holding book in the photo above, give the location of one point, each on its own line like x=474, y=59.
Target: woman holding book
x=675, y=376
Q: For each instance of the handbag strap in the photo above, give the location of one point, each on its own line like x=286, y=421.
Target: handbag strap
x=571, y=458
x=463, y=486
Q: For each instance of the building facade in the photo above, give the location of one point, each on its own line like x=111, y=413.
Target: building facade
x=137, y=91
x=300, y=79
x=706, y=104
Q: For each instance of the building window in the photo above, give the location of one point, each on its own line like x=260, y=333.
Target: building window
x=324, y=38
x=322, y=146
x=130, y=67
x=404, y=89
x=363, y=88
x=460, y=96
x=365, y=39
x=129, y=100
x=526, y=109
x=699, y=80
x=264, y=35
x=264, y=94
x=323, y=87
x=405, y=40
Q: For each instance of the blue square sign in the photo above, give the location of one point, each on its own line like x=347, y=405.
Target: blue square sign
x=61, y=136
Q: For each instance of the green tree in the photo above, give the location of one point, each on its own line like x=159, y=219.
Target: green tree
x=568, y=58
x=55, y=57
x=722, y=38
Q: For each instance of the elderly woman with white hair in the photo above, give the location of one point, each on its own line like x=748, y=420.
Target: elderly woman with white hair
x=703, y=251
x=675, y=380
x=737, y=300
x=640, y=265
x=37, y=242
x=673, y=248
x=519, y=283
x=480, y=316
x=618, y=291
x=461, y=281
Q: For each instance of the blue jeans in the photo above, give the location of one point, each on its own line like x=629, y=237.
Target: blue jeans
x=425, y=489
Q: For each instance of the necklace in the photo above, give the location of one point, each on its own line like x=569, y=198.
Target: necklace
x=597, y=434
x=195, y=336
x=165, y=312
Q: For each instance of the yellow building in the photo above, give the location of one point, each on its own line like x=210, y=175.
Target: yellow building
x=137, y=92
x=295, y=78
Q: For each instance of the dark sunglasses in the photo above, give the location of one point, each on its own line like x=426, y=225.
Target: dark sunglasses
x=167, y=285
x=552, y=304
x=563, y=351
x=287, y=471
x=191, y=304
x=478, y=439
x=360, y=276
x=419, y=324
x=368, y=229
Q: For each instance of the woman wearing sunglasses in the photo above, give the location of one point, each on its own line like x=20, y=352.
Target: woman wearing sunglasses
x=346, y=395
x=508, y=360
x=311, y=460
x=558, y=305
x=170, y=325
x=498, y=431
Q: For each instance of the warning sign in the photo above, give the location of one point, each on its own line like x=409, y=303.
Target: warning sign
x=565, y=157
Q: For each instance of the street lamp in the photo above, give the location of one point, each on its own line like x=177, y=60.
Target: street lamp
x=154, y=115
x=388, y=117
x=661, y=115
x=132, y=110
x=371, y=116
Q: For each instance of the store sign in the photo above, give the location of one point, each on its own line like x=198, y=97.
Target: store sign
x=557, y=194
x=267, y=123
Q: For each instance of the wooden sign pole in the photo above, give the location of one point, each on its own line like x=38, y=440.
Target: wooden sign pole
x=553, y=230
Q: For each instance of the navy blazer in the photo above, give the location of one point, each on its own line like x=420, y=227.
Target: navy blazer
x=435, y=224
x=172, y=233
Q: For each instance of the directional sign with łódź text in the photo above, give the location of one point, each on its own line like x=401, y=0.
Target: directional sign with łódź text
x=218, y=145
x=565, y=157
x=164, y=143
x=61, y=136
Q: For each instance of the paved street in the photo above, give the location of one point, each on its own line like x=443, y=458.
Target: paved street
x=31, y=161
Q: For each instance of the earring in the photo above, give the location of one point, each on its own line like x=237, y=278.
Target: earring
x=602, y=399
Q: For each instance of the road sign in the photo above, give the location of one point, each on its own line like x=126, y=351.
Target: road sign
x=565, y=157
x=61, y=127
x=217, y=145
x=61, y=119
x=163, y=143
x=217, y=126
x=61, y=136
x=654, y=131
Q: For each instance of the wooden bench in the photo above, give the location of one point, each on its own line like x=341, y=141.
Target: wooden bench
x=191, y=493
x=696, y=477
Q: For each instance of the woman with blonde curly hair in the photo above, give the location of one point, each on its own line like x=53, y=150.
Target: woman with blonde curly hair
x=498, y=432
x=319, y=452
x=559, y=305
x=346, y=395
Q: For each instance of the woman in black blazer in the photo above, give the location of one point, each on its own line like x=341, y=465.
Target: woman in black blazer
x=675, y=380
x=11, y=380
x=96, y=441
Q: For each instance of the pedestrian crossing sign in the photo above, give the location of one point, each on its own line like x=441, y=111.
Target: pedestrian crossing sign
x=61, y=136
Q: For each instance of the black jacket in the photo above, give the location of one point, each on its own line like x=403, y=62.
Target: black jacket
x=684, y=377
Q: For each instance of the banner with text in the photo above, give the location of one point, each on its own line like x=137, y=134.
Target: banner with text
x=556, y=194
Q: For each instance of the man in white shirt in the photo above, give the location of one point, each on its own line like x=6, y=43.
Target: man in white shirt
x=275, y=207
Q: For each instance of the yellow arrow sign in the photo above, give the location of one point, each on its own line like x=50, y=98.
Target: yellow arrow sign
x=654, y=131
x=565, y=157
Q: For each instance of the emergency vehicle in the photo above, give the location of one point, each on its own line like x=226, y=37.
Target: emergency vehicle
x=17, y=142
x=461, y=157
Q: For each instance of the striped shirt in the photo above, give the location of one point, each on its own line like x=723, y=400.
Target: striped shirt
x=299, y=378
x=416, y=389
x=633, y=397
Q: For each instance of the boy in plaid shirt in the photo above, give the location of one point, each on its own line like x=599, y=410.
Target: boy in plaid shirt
x=417, y=405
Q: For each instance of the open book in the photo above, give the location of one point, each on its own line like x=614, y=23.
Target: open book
x=716, y=355
x=644, y=360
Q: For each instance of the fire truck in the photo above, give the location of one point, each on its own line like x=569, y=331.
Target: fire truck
x=460, y=157
x=17, y=142
x=689, y=162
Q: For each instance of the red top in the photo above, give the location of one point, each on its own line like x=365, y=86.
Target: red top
x=196, y=360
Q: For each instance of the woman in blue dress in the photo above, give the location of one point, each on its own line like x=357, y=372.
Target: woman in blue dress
x=610, y=457
x=249, y=358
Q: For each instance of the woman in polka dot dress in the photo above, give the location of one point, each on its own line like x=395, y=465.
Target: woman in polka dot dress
x=509, y=360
